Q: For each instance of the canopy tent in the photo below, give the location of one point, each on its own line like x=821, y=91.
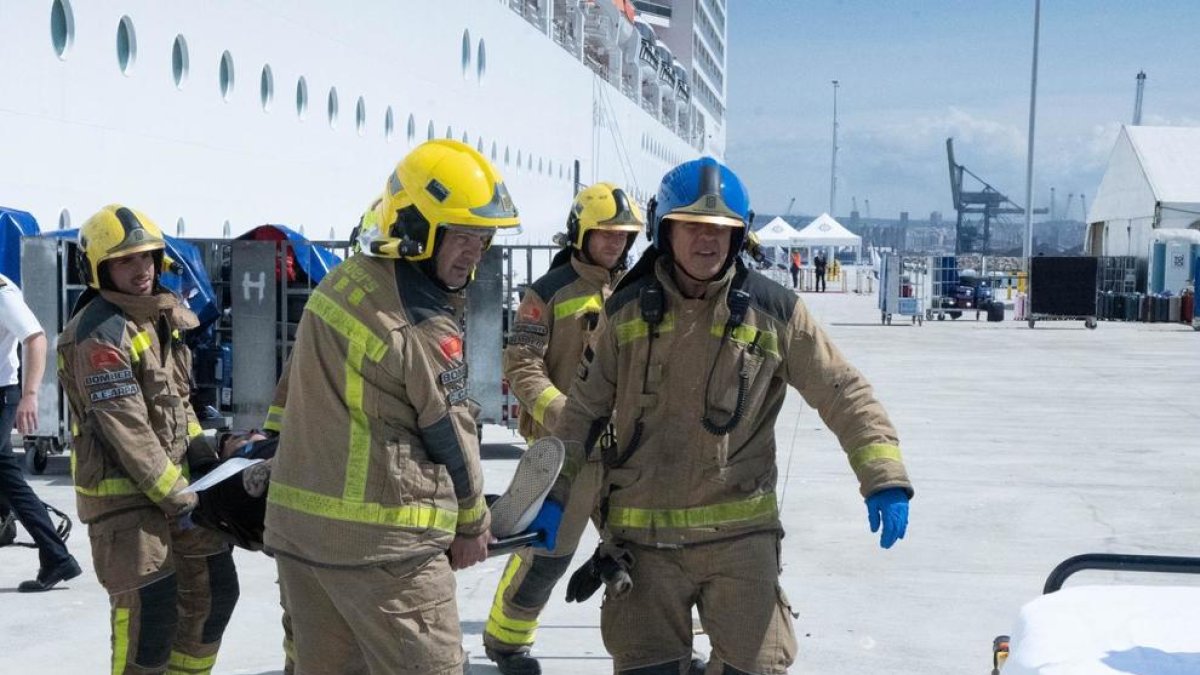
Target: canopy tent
x=825, y=231
x=777, y=233
x=14, y=224
x=1152, y=182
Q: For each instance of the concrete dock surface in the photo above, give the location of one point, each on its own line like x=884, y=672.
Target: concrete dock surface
x=1025, y=447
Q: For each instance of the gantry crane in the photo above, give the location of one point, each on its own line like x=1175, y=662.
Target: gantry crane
x=987, y=201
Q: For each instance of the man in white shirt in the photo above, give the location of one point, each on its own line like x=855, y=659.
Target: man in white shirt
x=19, y=403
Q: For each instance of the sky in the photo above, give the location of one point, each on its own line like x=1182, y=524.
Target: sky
x=913, y=72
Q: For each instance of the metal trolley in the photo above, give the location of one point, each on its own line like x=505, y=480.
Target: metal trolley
x=901, y=290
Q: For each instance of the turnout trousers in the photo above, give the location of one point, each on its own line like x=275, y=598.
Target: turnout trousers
x=171, y=592
x=531, y=573
x=734, y=584
x=399, y=617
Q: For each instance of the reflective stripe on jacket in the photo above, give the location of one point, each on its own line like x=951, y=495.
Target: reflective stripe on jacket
x=683, y=484
x=378, y=458
x=127, y=373
x=558, y=313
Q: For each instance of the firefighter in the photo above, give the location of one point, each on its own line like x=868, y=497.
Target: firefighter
x=377, y=474
x=694, y=354
x=557, y=313
x=127, y=372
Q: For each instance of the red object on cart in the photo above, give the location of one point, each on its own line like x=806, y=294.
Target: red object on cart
x=268, y=233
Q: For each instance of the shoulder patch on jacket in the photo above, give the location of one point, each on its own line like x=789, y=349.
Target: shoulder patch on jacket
x=101, y=320
x=554, y=281
x=770, y=297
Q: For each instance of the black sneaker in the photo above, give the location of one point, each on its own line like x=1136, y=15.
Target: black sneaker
x=517, y=663
x=47, y=578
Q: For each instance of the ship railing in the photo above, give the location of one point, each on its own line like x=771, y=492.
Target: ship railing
x=648, y=55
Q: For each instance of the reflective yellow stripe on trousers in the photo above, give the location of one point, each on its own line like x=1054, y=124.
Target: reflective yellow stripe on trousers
x=190, y=665
x=504, y=628
x=746, y=510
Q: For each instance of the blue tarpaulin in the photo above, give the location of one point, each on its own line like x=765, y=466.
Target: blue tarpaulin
x=313, y=259
x=14, y=224
x=187, y=277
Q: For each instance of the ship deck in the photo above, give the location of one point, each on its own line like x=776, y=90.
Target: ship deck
x=1025, y=446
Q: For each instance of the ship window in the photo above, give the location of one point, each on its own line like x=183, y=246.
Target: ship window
x=466, y=139
x=180, y=226
x=332, y=107
x=450, y=132
x=227, y=229
x=506, y=156
x=529, y=163
x=227, y=75
x=389, y=124
x=126, y=45
x=64, y=219
x=539, y=165
x=360, y=116
x=493, y=151
x=480, y=61
x=412, y=129
x=466, y=53
x=301, y=97
x=479, y=145
x=266, y=87
x=62, y=27
x=519, y=161
x=429, y=133
x=179, y=61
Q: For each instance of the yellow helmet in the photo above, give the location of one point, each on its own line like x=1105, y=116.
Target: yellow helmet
x=116, y=231
x=602, y=206
x=441, y=183
x=367, y=229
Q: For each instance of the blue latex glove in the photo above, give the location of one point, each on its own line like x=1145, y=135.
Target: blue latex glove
x=889, y=507
x=547, y=522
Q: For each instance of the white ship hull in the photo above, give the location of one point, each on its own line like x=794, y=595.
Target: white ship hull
x=78, y=132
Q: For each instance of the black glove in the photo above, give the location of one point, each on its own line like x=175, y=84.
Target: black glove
x=609, y=565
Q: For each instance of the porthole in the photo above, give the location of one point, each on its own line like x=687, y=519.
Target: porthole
x=480, y=61
x=429, y=133
x=389, y=124
x=412, y=129
x=62, y=27
x=466, y=52
x=360, y=116
x=266, y=87
x=331, y=107
x=126, y=45
x=179, y=61
x=64, y=219
x=227, y=76
x=301, y=97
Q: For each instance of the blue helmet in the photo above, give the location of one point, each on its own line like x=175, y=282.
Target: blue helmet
x=705, y=190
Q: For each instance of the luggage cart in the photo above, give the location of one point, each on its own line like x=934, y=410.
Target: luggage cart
x=1062, y=289
x=901, y=291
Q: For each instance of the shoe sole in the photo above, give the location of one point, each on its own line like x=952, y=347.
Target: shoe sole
x=539, y=467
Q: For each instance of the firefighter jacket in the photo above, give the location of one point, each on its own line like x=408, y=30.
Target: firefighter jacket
x=557, y=314
x=378, y=459
x=127, y=374
x=677, y=474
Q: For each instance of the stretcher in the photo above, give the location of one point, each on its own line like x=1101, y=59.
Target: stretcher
x=1113, y=628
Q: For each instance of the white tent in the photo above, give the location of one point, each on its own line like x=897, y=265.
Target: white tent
x=1152, y=183
x=824, y=231
x=777, y=233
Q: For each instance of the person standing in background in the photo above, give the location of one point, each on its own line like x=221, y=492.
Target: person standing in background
x=19, y=403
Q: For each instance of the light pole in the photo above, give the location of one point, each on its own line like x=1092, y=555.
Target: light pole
x=1028, y=248
x=833, y=161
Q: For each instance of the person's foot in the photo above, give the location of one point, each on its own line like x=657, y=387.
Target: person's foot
x=516, y=663
x=48, y=577
x=515, y=510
